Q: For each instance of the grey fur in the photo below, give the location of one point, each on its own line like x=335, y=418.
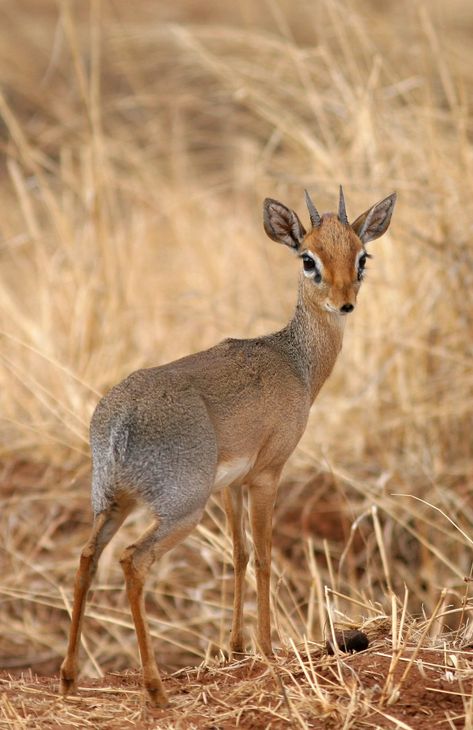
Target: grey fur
x=160, y=433
x=168, y=436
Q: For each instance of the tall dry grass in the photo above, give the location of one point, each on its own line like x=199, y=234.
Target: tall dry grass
x=139, y=140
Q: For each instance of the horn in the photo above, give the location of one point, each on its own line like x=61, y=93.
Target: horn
x=342, y=213
x=313, y=213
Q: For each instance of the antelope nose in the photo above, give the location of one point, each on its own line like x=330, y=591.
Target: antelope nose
x=347, y=308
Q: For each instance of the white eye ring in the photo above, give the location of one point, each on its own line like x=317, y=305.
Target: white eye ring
x=311, y=267
x=360, y=264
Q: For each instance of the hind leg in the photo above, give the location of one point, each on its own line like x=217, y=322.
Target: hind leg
x=136, y=562
x=105, y=526
x=233, y=504
x=262, y=495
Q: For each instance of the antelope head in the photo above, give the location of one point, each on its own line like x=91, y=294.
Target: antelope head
x=332, y=251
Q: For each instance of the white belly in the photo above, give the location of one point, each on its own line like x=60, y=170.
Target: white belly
x=232, y=471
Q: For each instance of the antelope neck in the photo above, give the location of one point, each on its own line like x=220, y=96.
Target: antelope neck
x=312, y=340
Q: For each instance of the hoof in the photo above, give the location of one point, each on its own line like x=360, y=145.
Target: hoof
x=235, y=655
x=266, y=651
x=68, y=682
x=238, y=648
x=156, y=695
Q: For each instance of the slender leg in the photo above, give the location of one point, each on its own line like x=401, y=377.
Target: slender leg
x=262, y=495
x=136, y=562
x=105, y=526
x=233, y=503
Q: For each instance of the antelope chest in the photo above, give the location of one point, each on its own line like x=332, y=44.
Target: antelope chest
x=231, y=471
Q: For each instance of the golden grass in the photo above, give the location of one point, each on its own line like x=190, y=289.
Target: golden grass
x=411, y=685
x=139, y=142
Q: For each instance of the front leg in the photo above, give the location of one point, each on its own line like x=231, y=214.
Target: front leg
x=262, y=495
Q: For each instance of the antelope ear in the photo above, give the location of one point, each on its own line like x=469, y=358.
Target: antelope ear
x=375, y=221
x=282, y=224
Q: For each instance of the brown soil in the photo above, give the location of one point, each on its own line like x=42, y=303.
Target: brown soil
x=252, y=693
x=293, y=690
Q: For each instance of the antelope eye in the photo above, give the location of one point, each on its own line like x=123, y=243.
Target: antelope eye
x=311, y=269
x=308, y=263
x=361, y=265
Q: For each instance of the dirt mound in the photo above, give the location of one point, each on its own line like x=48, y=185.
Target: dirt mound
x=412, y=688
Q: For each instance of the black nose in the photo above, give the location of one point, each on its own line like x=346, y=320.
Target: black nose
x=347, y=308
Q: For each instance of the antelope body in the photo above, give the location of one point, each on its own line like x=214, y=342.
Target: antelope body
x=170, y=436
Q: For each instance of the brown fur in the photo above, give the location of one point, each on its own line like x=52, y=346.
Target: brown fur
x=337, y=247
x=221, y=418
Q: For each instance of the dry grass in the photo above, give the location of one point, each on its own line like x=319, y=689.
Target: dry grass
x=139, y=140
x=400, y=681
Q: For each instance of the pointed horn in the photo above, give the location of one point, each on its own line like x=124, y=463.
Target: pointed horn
x=313, y=213
x=342, y=213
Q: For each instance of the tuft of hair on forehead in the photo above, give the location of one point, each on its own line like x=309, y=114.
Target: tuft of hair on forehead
x=333, y=232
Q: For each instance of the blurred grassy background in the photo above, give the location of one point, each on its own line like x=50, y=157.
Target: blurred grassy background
x=139, y=140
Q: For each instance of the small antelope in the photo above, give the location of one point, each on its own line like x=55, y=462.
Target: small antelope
x=171, y=436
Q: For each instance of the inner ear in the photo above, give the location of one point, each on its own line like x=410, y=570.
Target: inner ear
x=282, y=224
x=375, y=221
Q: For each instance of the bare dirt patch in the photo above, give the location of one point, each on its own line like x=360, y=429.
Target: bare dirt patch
x=295, y=689
x=426, y=683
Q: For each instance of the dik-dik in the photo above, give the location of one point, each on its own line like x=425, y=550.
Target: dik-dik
x=171, y=436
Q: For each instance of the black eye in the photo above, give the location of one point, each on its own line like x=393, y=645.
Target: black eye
x=310, y=268
x=361, y=265
x=309, y=263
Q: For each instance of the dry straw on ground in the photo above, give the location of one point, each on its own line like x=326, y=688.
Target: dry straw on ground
x=139, y=140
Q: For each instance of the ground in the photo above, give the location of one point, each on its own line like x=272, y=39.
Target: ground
x=417, y=677
x=138, y=143
x=298, y=688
